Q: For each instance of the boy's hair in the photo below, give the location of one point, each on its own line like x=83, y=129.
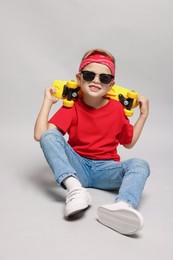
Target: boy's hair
x=99, y=51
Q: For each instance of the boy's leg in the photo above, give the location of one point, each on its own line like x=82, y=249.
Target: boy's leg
x=122, y=216
x=136, y=173
x=60, y=158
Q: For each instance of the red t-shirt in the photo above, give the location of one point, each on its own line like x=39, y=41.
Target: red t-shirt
x=95, y=133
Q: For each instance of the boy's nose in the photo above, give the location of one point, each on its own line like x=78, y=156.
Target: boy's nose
x=96, y=79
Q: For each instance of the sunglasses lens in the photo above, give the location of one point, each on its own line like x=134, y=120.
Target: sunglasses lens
x=88, y=75
x=105, y=78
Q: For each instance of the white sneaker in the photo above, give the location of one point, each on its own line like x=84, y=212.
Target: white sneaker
x=77, y=200
x=121, y=217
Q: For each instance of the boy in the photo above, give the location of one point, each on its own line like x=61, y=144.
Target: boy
x=96, y=126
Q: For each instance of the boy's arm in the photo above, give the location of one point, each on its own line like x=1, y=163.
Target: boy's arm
x=144, y=111
x=42, y=124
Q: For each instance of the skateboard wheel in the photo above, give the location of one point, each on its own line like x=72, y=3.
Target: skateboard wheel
x=128, y=113
x=68, y=103
x=72, y=84
x=132, y=94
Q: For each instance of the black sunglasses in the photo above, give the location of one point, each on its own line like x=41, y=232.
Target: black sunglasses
x=104, y=78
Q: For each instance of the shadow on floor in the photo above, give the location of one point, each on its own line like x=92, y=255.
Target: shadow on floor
x=44, y=180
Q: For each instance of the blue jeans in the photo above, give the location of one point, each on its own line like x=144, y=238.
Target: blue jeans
x=128, y=176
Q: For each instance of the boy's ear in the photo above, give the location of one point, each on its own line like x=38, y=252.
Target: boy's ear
x=111, y=84
x=78, y=78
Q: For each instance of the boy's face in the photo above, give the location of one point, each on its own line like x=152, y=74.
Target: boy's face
x=95, y=87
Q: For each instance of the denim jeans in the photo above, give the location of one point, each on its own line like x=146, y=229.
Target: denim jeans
x=128, y=176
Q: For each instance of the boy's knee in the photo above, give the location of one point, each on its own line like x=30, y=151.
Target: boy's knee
x=50, y=135
x=142, y=165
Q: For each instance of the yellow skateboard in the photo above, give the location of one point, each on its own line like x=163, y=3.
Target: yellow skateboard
x=69, y=91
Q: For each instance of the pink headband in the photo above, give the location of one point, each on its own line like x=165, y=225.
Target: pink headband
x=98, y=58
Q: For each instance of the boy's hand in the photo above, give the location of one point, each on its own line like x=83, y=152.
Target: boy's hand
x=48, y=95
x=143, y=105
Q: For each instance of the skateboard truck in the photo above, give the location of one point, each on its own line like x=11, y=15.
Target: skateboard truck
x=70, y=93
x=126, y=102
x=66, y=90
x=128, y=98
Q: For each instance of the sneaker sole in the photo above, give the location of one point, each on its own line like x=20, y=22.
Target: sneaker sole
x=123, y=221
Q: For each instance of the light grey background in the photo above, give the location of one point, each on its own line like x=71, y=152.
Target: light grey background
x=43, y=40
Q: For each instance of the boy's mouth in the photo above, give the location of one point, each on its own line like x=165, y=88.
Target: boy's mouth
x=94, y=88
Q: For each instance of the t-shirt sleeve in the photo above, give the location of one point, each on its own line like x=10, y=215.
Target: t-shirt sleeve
x=62, y=119
x=126, y=135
